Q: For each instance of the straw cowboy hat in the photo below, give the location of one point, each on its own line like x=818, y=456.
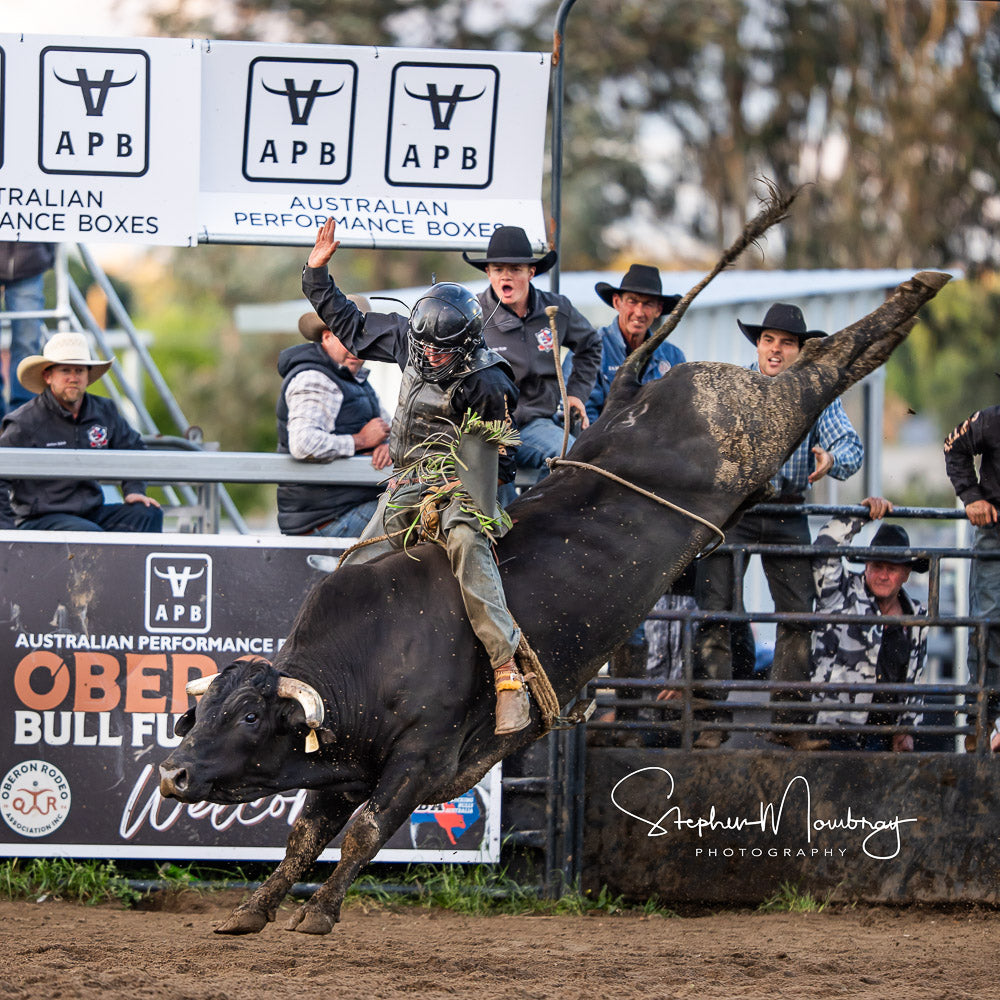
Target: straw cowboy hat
x=61, y=349
x=642, y=280
x=510, y=245
x=893, y=536
x=784, y=317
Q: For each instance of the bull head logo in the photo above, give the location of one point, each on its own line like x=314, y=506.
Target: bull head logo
x=179, y=579
x=301, y=112
x=448, y=102
x=88, y=88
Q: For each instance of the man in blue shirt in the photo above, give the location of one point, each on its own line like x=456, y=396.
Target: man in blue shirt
x=639, y=302
x=831, y=448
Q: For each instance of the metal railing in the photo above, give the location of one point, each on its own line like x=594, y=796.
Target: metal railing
x=958, y=709
x=178, y=461
x=71, y=312
x=947, y=711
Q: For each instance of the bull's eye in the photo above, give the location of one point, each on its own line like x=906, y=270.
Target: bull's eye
x=250, y=718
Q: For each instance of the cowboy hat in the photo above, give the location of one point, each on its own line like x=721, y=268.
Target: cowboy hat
x=510, y=245
x=67, y=348
x=784, y=317
x=311, y=327
x=642, y=280
x=893, y=536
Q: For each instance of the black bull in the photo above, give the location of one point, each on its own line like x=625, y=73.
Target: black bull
x=406, y=686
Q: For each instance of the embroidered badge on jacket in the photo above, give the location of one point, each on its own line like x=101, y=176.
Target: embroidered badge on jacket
x=544, y=338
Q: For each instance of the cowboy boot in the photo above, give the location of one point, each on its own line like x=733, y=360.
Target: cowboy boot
x=513, y=710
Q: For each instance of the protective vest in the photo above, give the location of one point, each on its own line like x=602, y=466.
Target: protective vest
x=426, y=419
x=305, y=506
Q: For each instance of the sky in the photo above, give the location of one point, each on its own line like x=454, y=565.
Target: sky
x=72, y=17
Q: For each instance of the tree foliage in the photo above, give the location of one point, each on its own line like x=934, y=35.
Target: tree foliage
x=948, y=366
x=887, y=110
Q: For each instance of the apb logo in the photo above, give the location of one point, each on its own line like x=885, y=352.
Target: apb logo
x=178, y=592
x=94, y=111
x=299, y=120
x=442, y=125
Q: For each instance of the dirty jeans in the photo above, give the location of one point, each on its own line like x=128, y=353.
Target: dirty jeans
x=471, y=561
x=790, y=581
x=984, y=602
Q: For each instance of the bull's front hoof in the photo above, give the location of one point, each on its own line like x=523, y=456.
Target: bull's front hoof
x=244, y=922
x=310, y=921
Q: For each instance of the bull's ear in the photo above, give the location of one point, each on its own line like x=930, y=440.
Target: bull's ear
x=184, y=723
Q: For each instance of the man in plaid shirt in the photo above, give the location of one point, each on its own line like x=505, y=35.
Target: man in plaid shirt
x=327, y=410
x=831, y=448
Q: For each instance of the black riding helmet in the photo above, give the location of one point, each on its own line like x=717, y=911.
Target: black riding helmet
x=447, y=318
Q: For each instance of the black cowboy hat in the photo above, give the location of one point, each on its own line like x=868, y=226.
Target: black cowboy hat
x=641, y=279
x=784, y=317
x=510, y=245
x=893, y=536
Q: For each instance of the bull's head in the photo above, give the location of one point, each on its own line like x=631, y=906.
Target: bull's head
x=239, y=737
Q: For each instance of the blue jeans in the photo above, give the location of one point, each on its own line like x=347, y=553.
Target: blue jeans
x=541, y=438
x=26, y=295
x=349, y=525
x=984, y=602
x=107, y=517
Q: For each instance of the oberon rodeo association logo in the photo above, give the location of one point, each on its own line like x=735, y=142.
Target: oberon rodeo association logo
x=178, y=592
x=34, y=798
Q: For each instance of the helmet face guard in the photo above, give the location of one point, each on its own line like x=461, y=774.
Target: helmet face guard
x=446, y=326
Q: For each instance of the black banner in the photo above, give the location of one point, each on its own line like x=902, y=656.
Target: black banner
x=98, y=639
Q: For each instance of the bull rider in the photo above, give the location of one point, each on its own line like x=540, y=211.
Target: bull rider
x=451, y=442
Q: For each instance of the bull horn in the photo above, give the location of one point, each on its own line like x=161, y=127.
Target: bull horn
x=308, y=697
x=199, y=685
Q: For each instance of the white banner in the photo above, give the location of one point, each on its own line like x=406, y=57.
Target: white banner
x=175, y=141
x=404, y=147
x=96, y=140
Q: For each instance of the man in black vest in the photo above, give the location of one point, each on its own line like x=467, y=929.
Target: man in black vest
x=327, y=410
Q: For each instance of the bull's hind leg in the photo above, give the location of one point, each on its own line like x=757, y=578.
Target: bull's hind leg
x=320, y=821
x=395, y=798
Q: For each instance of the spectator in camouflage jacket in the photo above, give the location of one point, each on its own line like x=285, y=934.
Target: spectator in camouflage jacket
x=867, y=653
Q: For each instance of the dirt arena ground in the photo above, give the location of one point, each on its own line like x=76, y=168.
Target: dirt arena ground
x=58, y=951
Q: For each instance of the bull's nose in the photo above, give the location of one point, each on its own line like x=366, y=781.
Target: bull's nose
x=173, y=781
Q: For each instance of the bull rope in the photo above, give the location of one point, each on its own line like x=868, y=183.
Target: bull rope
x=367, y=542
x=538, y=681
x=553, y=462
